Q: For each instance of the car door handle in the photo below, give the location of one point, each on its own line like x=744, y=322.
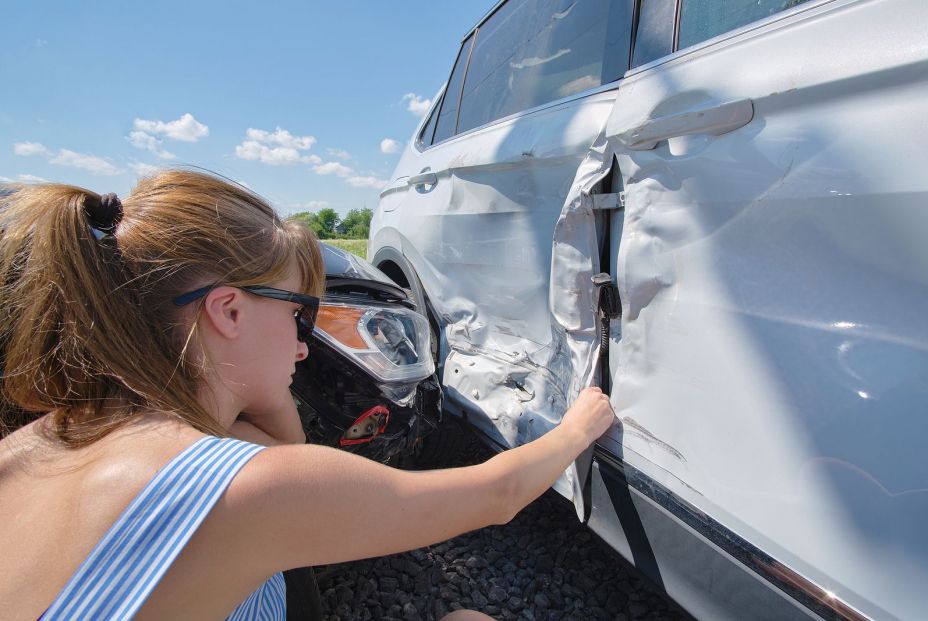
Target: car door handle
x=715, y=119
x=426, y=178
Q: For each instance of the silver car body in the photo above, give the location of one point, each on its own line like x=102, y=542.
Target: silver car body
x=761, y=196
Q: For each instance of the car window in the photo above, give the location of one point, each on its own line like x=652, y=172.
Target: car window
x=530, y=52
x=448, y=117
x=704, y=19
x=425, y=137
x=654, y=37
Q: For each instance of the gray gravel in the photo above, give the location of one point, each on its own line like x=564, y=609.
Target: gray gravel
x=542, y=565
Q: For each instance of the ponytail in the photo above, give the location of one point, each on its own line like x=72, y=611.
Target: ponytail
x=87, y=331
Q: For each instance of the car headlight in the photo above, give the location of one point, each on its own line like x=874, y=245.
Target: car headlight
x=391, y=343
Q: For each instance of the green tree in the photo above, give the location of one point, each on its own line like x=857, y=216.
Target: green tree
x=311, y=220
x=357, y=224
x=304, y=216
x=323, y=223
x=327, y=220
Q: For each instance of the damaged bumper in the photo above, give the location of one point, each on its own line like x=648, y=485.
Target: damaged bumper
x=368, y=385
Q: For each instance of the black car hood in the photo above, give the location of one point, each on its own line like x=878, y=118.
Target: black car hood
x=347, y=274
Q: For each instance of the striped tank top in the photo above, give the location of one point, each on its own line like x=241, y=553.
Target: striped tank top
x=127, y=564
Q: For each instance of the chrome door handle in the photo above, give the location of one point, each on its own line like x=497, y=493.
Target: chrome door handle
x=426, y=178
x=715, y=119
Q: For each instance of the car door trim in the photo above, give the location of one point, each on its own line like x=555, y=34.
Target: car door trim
x=802, y=590
x=809, y=5
x=611, y=86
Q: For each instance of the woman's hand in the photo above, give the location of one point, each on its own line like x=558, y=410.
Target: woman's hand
x=590, y=415
x=281, y=425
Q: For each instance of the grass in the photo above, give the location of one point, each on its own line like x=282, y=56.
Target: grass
x=354, y=246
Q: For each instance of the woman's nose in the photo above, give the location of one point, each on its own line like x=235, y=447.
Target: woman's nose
x=302, y=351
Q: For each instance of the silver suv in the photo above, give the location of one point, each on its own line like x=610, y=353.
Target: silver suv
x=716, y=210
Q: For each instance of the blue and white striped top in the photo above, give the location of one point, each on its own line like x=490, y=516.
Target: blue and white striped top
x=126, y=566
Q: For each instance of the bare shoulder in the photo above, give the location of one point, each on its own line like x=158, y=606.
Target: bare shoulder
x=90, y=484
x=56, y=502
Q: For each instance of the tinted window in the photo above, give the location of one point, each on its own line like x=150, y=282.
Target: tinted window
x=448, y=117
x=704, y=19
x=530, y=52
x=654, y=37
x=425, y=138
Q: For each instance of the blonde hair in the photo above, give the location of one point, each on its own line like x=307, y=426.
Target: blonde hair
x=88, y=329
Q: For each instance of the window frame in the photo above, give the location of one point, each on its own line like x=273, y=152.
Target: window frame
x=436, y=109
x=724, y=36
x=635, y=27
x=472, y=37
x=433, y=114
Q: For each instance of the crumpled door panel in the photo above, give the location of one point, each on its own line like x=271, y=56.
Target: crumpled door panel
x=774, y=353
x=480, y=241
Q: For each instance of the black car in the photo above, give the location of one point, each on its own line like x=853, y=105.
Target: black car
x=368, y=385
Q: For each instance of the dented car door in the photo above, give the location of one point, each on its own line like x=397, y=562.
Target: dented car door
x=493, y=170
x=753, y=187
x=770, y=369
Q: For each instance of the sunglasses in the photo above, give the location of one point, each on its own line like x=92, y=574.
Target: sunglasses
x=305, y=315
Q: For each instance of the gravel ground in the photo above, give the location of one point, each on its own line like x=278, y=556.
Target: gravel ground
x=542, y=565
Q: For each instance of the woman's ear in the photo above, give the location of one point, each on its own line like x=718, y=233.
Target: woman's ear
x=223, y=310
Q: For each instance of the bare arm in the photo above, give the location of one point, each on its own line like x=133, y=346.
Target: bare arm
x=282, y=426
x=312, y=505
x=243, y=430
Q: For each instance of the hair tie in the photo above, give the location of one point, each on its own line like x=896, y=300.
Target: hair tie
x=104, y=215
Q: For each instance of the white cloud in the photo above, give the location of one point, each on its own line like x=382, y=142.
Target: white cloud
x=366, y=182
x=91, y=163
x=275, y=156
x=32, y=179
x=143, y=170
x=185, y=129
x=30, y=148
x=146, y=134
x=66, y=157
x=388, y=145
x=277, y=148
x=24, y=178
x=280, y=137
x=41, y=42
x=339, y=153
x=416, y=104
x=252, y=150
x=333, y=168
x=141, y=140
x=349, y=175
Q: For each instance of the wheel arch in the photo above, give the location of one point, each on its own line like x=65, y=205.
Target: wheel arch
x=397, y=267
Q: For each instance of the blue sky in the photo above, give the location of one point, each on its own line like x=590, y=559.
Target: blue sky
x=294, y=99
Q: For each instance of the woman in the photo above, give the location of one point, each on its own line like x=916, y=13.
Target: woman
x=144, y=341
